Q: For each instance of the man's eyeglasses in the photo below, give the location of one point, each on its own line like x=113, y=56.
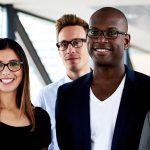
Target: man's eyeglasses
x=108, y=34
x=12, y=65
x=76, y=43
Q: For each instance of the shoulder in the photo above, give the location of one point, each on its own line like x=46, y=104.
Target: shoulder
x=140, y=85
x=143, y=79
x=81, y=81
x=53, y=86
x=75, y=88
x=42, y=126
x=41, y=115
x=137, y=76
x=47, y=94
x=42, y=120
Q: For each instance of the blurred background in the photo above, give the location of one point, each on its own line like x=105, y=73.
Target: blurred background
x=32, y=24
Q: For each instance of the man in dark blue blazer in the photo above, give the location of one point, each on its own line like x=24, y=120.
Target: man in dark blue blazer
x=105, y=109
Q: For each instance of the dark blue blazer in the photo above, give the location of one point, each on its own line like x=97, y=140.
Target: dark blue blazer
x=73, y=113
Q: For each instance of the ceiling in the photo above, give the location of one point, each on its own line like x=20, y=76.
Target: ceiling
x=53, y=9
x=137, y=12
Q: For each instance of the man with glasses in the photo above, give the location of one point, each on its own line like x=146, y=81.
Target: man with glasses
x=71, y=36
x=105, y=109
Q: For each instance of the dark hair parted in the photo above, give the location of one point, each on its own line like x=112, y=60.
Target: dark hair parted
x=70, y=20
x=23, y=91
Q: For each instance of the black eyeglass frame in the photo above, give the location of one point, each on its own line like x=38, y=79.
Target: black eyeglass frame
x=104, y=33
x=70, y=42
x=18, y=62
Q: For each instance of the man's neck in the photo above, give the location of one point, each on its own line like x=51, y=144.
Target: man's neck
x=76, y=74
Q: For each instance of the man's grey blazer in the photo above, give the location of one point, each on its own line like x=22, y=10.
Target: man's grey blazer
x=145, y=136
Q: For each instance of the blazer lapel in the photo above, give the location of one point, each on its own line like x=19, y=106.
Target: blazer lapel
x=84, y=93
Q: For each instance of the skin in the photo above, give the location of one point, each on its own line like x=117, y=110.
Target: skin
x=9, y=82
x=75, y=60
x=107, y=54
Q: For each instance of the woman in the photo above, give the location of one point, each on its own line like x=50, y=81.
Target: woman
x=22, y=126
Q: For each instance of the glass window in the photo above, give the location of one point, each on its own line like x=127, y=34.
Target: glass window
x=140, y=60
x=43, y=37
x=3, y=22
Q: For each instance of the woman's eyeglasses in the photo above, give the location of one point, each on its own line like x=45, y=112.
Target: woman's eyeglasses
x=12, y=65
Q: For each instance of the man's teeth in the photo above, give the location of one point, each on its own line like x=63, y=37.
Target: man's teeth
x=101, y=50
x=6, y=80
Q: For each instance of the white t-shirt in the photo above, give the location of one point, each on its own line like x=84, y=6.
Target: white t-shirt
x=103, y=116
x=47, y=100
